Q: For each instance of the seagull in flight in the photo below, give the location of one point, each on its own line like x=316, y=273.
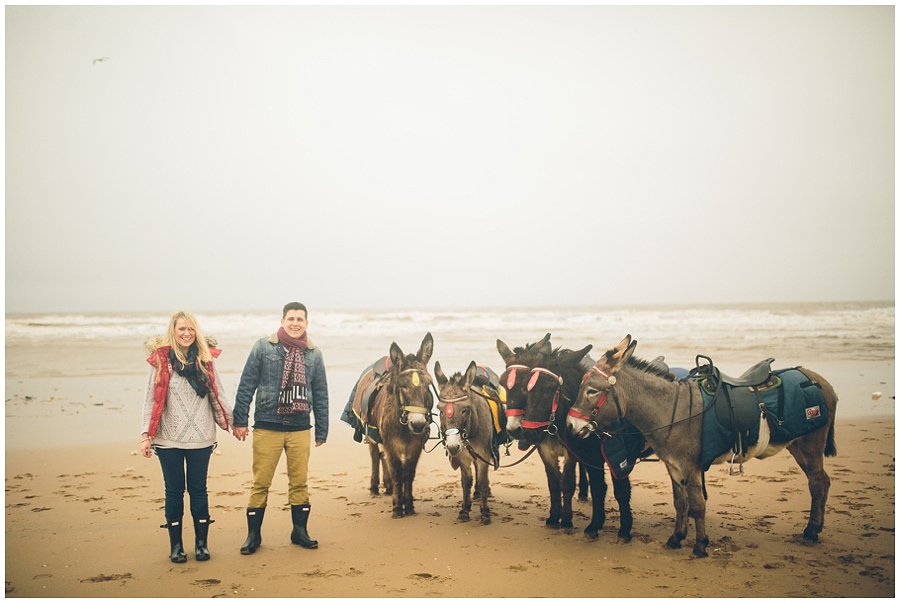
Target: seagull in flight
x=100, y=60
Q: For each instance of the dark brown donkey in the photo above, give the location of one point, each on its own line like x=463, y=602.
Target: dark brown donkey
x=467, y=430
x=402, y=412
x=541, y=384
x=622, y=387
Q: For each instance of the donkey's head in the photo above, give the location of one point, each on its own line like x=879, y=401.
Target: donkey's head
x=591, y=412
x=410, y=384
x=514, y=379
x=455, y=406
x=545, y=391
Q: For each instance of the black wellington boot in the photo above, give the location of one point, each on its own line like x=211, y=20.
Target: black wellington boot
x=201, y=532
x=177, y=548
x=254, y=533
x=300, y=516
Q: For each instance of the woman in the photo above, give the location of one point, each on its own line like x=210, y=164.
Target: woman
x=183, y=405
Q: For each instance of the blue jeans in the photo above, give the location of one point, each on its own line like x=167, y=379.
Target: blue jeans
x=173, y=462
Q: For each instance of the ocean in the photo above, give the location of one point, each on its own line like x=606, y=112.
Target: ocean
x=862, y=331
x=88, y=371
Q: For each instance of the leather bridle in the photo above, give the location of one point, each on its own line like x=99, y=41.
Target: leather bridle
x=535, y=373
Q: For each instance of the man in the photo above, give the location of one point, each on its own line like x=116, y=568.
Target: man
x=286, y=372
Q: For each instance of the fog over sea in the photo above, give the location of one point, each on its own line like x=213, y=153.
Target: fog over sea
x=101, y=378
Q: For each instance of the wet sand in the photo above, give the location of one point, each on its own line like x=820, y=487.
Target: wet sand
x=83, y=511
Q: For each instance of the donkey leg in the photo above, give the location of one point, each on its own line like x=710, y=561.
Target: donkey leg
x=554, y=480
x=622, y=492
x=398, y=479
x=375, y=455
x=697, y=510
x=568, y=492
x=813, y=466
x=484, y=489
x=386, y=475
x=597, y=479
x=583, y=482
x=409, y=475
x=465, y=479
x=679, y=497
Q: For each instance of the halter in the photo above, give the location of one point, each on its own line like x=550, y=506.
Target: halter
x=449, y=402
x=592, y=423
x=536, y=372
x=405, y=409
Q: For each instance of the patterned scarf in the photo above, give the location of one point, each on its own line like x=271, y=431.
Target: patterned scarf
x=191, y=371
x=294, y=398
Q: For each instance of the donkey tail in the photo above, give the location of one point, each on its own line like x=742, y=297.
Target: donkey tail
x=830, y=447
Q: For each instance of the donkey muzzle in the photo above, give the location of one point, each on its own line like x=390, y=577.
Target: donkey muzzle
x=417, y=422
x=578, y=427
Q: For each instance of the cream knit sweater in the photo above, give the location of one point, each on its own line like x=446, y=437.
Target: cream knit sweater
x=187, y=420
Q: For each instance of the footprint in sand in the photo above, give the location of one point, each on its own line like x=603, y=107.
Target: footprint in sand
x=110, y=578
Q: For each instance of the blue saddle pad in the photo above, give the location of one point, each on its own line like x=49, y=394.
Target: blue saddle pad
x=804, y=411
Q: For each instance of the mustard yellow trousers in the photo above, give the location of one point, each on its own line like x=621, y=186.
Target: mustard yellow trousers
x=267, y=448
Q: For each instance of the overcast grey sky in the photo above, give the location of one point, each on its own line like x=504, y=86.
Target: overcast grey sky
x=231, y=158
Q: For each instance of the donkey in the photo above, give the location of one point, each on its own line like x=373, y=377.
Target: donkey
x=402, y=412
x=620, y=386
x=467, y=429
x=541, y=383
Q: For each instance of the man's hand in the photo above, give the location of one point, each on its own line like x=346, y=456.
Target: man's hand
x=240, y=433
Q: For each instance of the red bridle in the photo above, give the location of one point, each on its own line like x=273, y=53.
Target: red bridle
x=535, y=374
x=608, y=377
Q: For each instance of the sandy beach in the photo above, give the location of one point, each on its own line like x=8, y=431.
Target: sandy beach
x=83, y=511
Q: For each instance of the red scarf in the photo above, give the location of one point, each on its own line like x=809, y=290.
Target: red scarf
x=294, y=397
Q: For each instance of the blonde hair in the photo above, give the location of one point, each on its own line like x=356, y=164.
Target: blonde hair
x=203, y=353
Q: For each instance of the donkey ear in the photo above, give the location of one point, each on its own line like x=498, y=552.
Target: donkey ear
x=471, y=372
x=504, y=350
x=543, y=346
x=397, y=357
x=618, y=356
x=439, y=374
x=622, y=345
x=426, y=349
x=576, y=357
x=611, y=358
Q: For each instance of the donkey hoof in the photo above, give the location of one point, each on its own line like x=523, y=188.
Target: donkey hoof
x=463, y=516
x=700, y=551
x=624, y=538
x=567, y=524
x=485, y=520
x=674, y=542
x=591, y=534
x=553, y=524
x=810, y=536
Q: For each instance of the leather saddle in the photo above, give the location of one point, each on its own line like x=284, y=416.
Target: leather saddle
x=364, y=401
x=737, y=401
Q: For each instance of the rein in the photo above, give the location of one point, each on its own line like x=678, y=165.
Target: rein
x=465, y=438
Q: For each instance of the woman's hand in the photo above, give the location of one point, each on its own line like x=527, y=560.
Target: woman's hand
x=146, y=451
x=240, y=433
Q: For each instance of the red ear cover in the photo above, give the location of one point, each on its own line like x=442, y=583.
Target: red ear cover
x=511, y=380
x=533, y=381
